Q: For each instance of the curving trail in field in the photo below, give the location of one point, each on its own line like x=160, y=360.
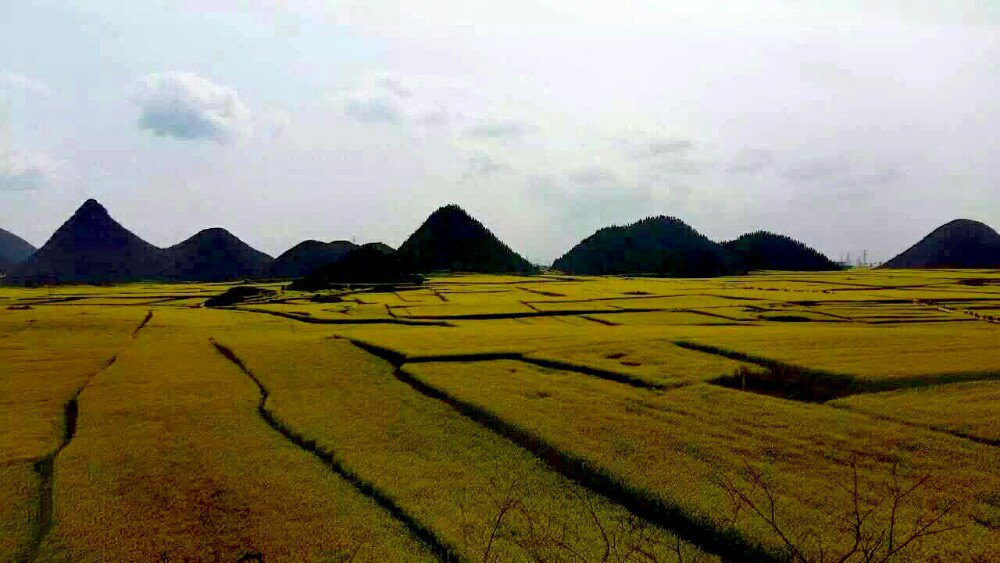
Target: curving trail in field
x=44, y=468
x=425, y=534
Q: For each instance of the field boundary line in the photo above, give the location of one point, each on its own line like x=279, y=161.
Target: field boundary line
x=852, y=385
x=599, y=321
x=399, y=358
x=422, y=532
x=836, y=385
x=861, y=387
x=928, y=427
x=45, y=469
x=314, y=320
x=533, y=314
x=142, y=325
x=727, y=543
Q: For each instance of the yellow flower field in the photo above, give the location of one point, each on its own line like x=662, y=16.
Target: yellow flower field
x=776, y=416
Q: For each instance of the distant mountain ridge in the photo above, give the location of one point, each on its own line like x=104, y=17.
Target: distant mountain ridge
x=92, y=247
x=763, y=250
x=962, y=243
x=451, y=240
x=659, y=245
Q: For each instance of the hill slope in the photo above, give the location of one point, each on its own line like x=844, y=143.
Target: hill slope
x=214, y=255
x=304, y=258
x=762, y=250
x=13, y=248
x=13, y=251
x=656, y=245
x=451, y=240
x=369, y=263
x=91, y=246
x=961, y=243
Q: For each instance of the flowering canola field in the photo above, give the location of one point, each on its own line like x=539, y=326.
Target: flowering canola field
x=848, y=416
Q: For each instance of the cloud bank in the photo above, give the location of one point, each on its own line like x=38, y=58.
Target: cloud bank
x=27, y=84
x=186, y=106
x=20, y=172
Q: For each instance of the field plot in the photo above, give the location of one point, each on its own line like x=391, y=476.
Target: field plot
x=500, y=503
x=874, y=357
x=186, y=468
x=45, y=357
x=44, y=363
x=18, y=508
x=966, y=409
x=661, y=318
x=660, y=362
x=776, y=416
x=683, y=447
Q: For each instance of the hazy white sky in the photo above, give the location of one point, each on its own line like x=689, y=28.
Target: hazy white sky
x=849, y=125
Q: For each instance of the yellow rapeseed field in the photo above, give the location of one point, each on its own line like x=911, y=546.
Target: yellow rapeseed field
x=482, y=417
x=678, y=445
x=479, y=494
x=171, y=459
x=967, y=409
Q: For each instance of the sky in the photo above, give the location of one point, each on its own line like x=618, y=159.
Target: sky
x=850, y=125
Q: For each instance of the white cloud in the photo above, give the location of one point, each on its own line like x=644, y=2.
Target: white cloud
x=483, y=164
x=21, y=172
x=594, y=176
x=500, y=130
x=750, y=161
x=373, y=108
x=653, y=147
x=426, y=101
x=24, y=83
x=186, y=106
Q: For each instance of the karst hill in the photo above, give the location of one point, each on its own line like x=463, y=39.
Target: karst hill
x=13, y=250
x=451, y=240
x=762, y=250
x=962, y=243
x=661, y=245
x=370, y=263
x=91, y=246
x=214, y=255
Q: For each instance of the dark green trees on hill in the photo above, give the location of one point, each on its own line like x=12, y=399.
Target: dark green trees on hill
x=962, y=243
x=451, y=240
x=763, y=250
x=373, y=263
x=657, y=245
